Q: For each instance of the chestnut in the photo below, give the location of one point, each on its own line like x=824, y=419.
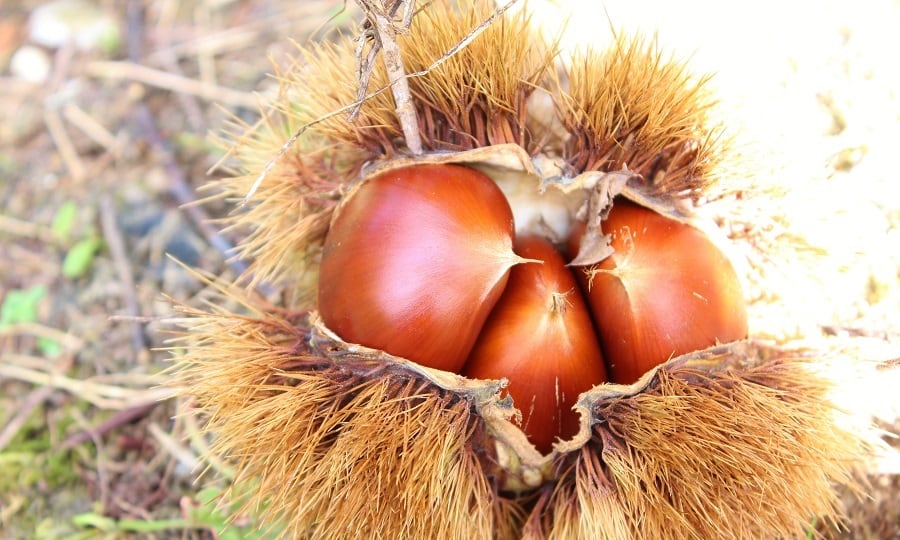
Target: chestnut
x=541, y=338
x=666, y=291
x=414, y=261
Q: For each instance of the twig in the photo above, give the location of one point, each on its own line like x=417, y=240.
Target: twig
x=178, y=451
x=119, y=419
x=123, y=269
x=90, y=127
x=365, y=64
x=64, y=143
x=27, y=229
x=364, y=67
x=65, y=339
x=173, y=83
x=393, y=62
x=184, y=195
x=384, y=39
x=103, y=396
x=179, y=186
x=36, y=397
x=38, y=363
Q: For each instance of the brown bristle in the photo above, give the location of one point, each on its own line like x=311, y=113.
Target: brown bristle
x=741, y=438
x=753, y=451
x=583, y=504
x=477, y=96
x=632, y=107
x=290, y=210
x=330, y=448
x=470, y=98
x=320, y=87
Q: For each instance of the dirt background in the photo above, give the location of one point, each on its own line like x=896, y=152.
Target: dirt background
x=103, y=140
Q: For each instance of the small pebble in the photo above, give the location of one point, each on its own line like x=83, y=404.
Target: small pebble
x=30, y=63
x=80, y=22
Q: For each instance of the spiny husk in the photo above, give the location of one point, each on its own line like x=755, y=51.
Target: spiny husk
x=478, y=96
x=336, y=449
x=582, y=504
x=367, y=447
x=290, y=212
x=633, y=108
x=651, y=121
x=473, y=98
x=739, y=440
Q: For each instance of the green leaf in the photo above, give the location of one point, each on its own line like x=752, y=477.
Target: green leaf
x=95, y=521
x=80, y=258
x=21, y=306
x=49, y=347
x=64, y=220
x=153, y=525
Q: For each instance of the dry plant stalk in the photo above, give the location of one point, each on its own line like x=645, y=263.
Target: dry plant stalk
x=382, y=30
x=348, y=441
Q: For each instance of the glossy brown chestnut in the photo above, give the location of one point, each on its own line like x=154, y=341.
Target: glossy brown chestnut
x=666, y=291
x=415, y=260
x=540, y=337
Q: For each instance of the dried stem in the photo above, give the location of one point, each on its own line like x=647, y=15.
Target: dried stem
x=123, y=268
x=168, y=81
x=393, y=62
x=385, y=40
x=117, y=420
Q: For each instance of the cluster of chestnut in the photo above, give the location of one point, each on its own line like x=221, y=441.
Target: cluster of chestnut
x=423, y=262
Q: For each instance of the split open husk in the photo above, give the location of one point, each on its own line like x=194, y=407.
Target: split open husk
x=345, y=441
